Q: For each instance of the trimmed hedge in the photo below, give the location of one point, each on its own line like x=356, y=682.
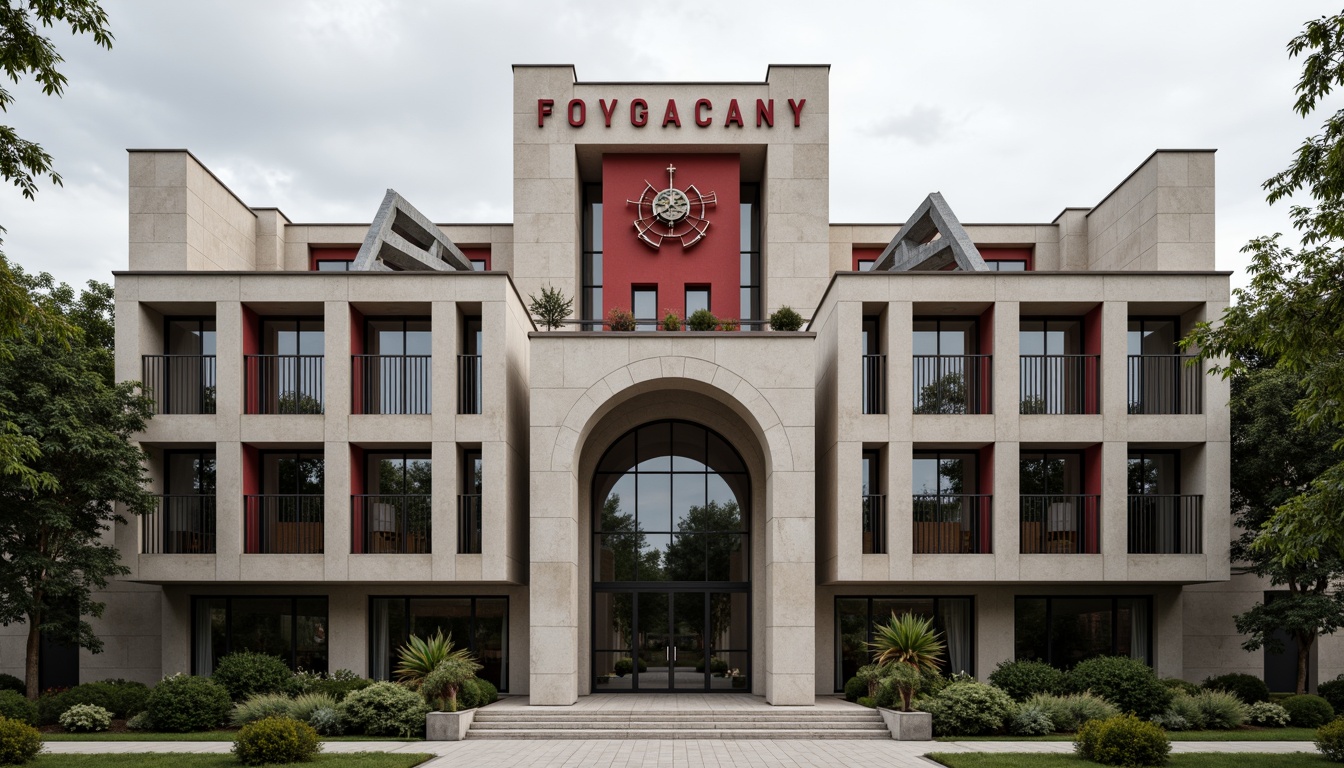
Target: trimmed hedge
x=182, y=703
x=246, y=674
x=1308, y=711
x=1023, y=679
x=16, y=707
x=1127, y=683
x=1123, y=740
x=12, y=683
x=1248, y=688
x=19, y=742
x=276, y=741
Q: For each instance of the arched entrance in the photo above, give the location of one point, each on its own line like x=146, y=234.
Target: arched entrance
x=671, y=506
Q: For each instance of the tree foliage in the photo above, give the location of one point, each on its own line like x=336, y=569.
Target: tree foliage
x=552, y=308
x=54, y=538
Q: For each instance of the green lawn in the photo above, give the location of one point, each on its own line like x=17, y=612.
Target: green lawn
x=1201, y=760
x=196, y=736
x=179, y=760
x=1259, y=734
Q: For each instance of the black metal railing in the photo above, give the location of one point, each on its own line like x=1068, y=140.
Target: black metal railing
x=874, y=383
x=952, y=523
x=284, y=383
x=1165, y=384
x=184, y=524
x=1166, y=525
x=468, y=383
x=180, y=383
x=954, y=383
x=1064, y=524
x=391, y=384
x=1060, y=384
x=875, y=524
x=391, y=524
x=283, y=524
x=469, y=524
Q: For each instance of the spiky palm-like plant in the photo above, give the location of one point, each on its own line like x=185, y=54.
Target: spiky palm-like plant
x=420, y=656
x=907, y=639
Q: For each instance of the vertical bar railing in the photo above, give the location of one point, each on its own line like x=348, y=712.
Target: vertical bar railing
x=469, y=524
x=284, y=524
x=874, y=383
x=1166, y=524
x=875, y=524
x=183, y=524
x=391, y=384
x=284, y=383
x=468, y=384
x=391, y=523
x=952, y=523
x=1165, y=384
x=180, y=384
x=1060, y=384
x=953, y=383
x=1066, y=524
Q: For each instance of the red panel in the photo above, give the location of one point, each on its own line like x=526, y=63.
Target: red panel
x=1092, y=346
x=356, y=489
x=356, y=348
x=251, y=346
x=1092, y=486
x=478, y=254
x=1009, y=254
x=985, y=511
x=251, y=486
x=713, y=261
x=985, y=338
x=342, y=253
x=864, y=254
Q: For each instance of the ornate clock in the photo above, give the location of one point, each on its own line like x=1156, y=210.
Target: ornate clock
x=671, y=214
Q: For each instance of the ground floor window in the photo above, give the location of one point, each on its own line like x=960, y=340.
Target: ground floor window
x=1066, y=630
x=953, y=618
x=293, y=628
x=480, y=624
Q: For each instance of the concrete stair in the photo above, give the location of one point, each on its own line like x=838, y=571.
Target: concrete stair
x=784, y=723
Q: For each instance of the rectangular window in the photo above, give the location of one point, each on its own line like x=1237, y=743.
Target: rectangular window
x=479, y=624
x=1153, y=336
x=590, y=301
x=749, y=284
x=953, y=618
x=1066, y=630
x=874, y=505
x=470, y=503
x=697, y=298
x=866, y=265
x=330, y=265
x=1154, y=473
x=644, y=304
x=293, y=628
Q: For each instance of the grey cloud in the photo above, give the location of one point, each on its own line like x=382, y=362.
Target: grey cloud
x=921, y=124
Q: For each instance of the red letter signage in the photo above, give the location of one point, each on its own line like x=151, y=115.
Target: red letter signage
x=639, y=113
x=543, y=109
x=797, y=111
x=734, y=115
x=700, y=120
x=670, y=114
x=766, y=113
x=607, y=112
x=577, y=120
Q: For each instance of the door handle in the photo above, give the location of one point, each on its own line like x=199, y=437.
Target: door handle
x=674, y=653
x=666, y=654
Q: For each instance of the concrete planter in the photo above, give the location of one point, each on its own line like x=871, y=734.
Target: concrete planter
x=448, y=726
x=908, y=726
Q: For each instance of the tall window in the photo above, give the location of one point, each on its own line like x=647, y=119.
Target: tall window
x=395, y=373
x=1050, y=473
x=953, y=618
x=591, y=300
x=750, y=255
x=644, y=301
x=182, y=380
x=288, y=376
x=469, y=503
x=394, y=511
x=1153, y=336
x=949, y=376
x=1066, y=630
x=874, y=505
x=1154, y=473
x=293, y=628
x=291, y=473
x=186, y=521
x=697, y=298
x=189, y=336
x=478, y=624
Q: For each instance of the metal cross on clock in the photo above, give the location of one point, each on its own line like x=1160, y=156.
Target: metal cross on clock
x=671, y=214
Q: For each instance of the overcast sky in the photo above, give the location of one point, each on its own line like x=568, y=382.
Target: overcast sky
x=1012, y=110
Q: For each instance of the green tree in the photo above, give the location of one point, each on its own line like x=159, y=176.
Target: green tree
x=53, y=538
x=26, y=53
x=1289, y=311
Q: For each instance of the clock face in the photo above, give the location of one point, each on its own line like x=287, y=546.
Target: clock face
x=671, y=205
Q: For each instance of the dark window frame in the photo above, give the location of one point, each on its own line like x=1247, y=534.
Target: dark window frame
x=839, y=651
x=404, y=320
x=937, y=455
x=686, y=297
x=1115, y=623
x=266, y=320
x=471, y=644
x=590, y=256
x=974, y=320
x=749, y=195
x=403, y=453
x=1143, y=320
x=228, y=623
x=168, y=321
x=200, y=453
x=1045, y=454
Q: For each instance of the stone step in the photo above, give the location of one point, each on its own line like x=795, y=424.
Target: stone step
x=681, y=716
x=705, y=734
x=656, y=725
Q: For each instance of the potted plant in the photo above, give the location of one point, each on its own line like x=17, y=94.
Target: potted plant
x=702, y=320
x=438, y=671
x=671, y=320
x=551, y=309
x=620, y=320
x=905, y=647
x=735, y=675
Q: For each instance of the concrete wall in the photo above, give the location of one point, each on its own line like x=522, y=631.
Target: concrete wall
x=1160, y=218
x=183, y=218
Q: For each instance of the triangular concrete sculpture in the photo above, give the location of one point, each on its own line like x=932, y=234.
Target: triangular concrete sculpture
x=930, y=240
x=401, y=239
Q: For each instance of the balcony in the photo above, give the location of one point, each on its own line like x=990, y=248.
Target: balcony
x=284, y=524
x=391, y=524
x=952, y=523
x=1060, y=384
x=391, y=384
x=1166, y=525
x=468, y=384
x=284, y=383
x=1165, y=384
x=469, y=524
x=182, y=525
x=875, y=525
x=180, y=384
x=1060, y=524
x=953, y=383
x=874, y=383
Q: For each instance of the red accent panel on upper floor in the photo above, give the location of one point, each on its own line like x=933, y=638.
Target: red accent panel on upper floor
x=864, y=254
x=478, y=254
x=713, y=262
x=342, y=253
x=1027, y=255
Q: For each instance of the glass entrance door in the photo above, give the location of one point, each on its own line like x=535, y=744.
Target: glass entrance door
x=682, y=641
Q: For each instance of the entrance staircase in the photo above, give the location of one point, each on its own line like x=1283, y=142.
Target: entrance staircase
x=758, y=722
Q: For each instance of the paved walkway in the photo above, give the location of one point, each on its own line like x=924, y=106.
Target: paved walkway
x=673, y=753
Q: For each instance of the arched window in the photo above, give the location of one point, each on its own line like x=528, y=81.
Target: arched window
x=671, y=502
